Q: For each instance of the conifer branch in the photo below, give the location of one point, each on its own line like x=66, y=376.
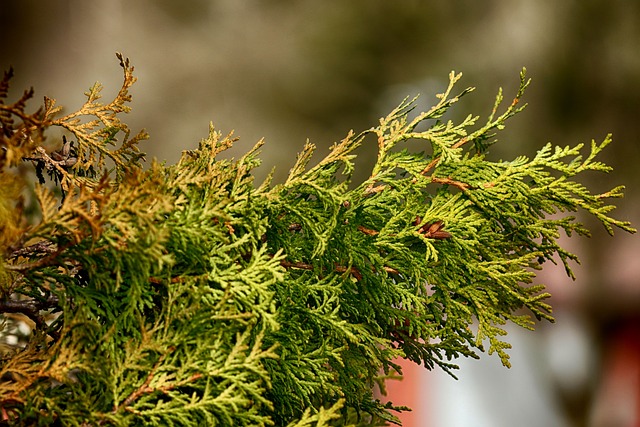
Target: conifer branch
x=188, y=295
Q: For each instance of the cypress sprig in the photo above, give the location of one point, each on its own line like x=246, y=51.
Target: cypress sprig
x=190, y=295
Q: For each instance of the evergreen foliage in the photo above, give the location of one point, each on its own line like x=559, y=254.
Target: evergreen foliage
x=190, y=295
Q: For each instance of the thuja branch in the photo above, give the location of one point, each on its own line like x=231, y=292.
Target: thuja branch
x=189, y=295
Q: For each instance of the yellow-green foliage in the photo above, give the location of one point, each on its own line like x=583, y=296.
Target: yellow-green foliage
x=190, y=295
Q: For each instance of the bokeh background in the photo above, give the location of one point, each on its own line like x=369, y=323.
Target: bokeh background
x=290, y=70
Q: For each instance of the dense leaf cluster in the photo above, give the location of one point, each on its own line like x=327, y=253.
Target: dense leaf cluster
x=190, y=295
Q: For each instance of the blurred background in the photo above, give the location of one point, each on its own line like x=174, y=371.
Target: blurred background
x=290, y=70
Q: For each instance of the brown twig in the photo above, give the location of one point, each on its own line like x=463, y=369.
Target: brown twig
x=435, y=160
x=42, y=262
x=338, y=268
x=367, y=231
x=160, y=281
x=30, y=308
x=145, y=388
x=448, y=181
x=41, y=247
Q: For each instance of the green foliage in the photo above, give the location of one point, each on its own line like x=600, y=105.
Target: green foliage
x=188, y=295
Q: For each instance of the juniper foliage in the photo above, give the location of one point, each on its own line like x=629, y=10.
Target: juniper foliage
x=190, y=295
